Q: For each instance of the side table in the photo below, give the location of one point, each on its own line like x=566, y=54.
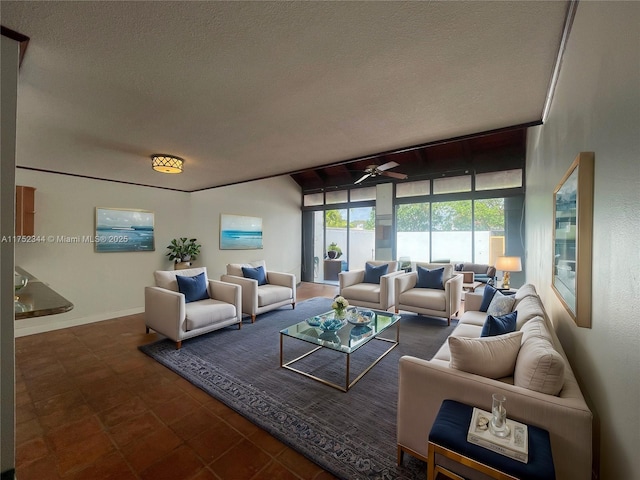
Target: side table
x=448, y=438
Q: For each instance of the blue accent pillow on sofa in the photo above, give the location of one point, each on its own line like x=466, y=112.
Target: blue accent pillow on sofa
x=430, y=278
x=373, y=273
x=256, y=273
x=194, y=288
x=499, y=325
x=489, y=292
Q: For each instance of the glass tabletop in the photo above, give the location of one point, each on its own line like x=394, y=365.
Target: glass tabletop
x=348, y=338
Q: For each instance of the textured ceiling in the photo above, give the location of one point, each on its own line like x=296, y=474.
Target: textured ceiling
x=246, y=90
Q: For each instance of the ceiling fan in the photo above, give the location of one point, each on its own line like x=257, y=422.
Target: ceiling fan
x=375, y=170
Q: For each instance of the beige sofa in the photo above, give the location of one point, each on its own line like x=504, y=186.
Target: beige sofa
x=540, y=366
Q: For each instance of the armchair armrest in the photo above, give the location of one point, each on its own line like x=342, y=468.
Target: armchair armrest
x=249, y=291
x=282, y=279
x=164, y=311
x=227, y=292
x=405, y=282
x=387, y=288
x=473, y=301
x=350, y=278
x=453, y=289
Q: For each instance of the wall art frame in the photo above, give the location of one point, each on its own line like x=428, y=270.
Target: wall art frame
x=240, y=232
x=573, y=238
x=124, y=230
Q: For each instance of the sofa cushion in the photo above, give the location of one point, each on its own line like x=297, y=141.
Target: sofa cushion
x=539, y=366
x=236, y=268
x=363, y=292
x=167, y=278
x=499, y=325
x=529, y=307
x=372, y=273
x=462, y=330
x=448, y=269
x=430, y=278
x=536, y=327
x=429, y=298
x=491, y=357
x=501, y=304
x=269, y=294
x=525, y=291
x=487, y=296
x=393, y=265
x=255, y=273
x=193, y=288
x=207, y=312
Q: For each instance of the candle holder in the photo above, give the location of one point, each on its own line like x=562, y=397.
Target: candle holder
x=498, y=423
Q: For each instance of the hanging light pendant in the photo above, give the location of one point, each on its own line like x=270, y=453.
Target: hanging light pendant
x=166, y=163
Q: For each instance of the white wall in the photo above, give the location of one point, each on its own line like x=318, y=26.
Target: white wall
x=597, y=108
x=107, y=285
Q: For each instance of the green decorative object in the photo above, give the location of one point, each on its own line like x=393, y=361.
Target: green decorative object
x=183, y=250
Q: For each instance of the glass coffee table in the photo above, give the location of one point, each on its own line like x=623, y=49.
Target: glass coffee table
x=346, y=340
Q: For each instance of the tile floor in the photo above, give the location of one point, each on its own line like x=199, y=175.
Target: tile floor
x=90, y=405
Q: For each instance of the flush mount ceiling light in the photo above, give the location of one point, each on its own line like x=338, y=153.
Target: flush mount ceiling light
x=166, y=163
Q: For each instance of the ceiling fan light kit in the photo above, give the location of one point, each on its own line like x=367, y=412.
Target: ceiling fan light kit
x=376, y=170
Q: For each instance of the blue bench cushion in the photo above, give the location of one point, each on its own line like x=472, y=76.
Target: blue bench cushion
x=450, y=429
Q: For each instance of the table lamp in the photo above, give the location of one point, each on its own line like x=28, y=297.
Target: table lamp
x=508, y=265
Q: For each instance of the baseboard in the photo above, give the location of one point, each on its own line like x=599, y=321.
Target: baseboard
x=32, y=326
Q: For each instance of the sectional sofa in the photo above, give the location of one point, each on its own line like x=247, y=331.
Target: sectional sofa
x=529, y=367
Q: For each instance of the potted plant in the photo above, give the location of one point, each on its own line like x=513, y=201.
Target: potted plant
x=334, y=251
x=183, y=251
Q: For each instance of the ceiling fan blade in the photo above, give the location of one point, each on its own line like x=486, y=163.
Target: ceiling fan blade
x=401, y=176
x=387, y=166
x=366, y=175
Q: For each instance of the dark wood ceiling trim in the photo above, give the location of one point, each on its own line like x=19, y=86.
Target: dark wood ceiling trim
x=424, y=145
x=18, y=37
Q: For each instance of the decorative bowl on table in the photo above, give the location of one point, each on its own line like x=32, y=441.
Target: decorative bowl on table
x=331, y=324
x=314, y=321
x=361, y=317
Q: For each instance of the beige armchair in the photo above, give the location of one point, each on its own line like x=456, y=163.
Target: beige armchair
x=279, y=289
x=168, y=313
x=366, y=294
x=435, y=302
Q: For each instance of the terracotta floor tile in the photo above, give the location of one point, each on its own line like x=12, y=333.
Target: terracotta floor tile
x=70, y=435
x=215, y=441
x=61, y=417
x=193, y=423
x=134, y=428
x=299, y=464
x=176, y=408
x=181, y=463
x=275, y=471
x=243, y=425
x=241, y=462
x=109, y=467
x=43, y=469
x=151, y=449
x=32, y=450
x=84, y=454
x=130, y=408
x=206, y=474
x=28, y=431
x=64, y=401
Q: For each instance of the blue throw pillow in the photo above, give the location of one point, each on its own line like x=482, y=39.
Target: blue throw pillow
x=489, y=292
x=372, y=273
x=256, y=273
x=193, y=288
x=499, y=325
x=430, y=278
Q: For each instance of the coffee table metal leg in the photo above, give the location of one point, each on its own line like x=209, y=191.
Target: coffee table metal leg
x=346, y=383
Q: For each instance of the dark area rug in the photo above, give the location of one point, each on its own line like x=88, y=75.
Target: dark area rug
x=352, y=434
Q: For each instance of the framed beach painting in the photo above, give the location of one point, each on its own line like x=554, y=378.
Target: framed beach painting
x=572, y=239
x=238, y=232
x=124, y=230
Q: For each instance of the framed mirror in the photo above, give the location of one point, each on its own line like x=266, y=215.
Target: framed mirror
x=572, y=238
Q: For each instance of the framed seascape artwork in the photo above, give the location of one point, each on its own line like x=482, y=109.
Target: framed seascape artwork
x=238, y=232
x=572, y=238
x=124, y=230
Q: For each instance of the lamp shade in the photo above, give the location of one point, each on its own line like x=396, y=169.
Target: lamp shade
x=509, y=264
x=166, y=163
